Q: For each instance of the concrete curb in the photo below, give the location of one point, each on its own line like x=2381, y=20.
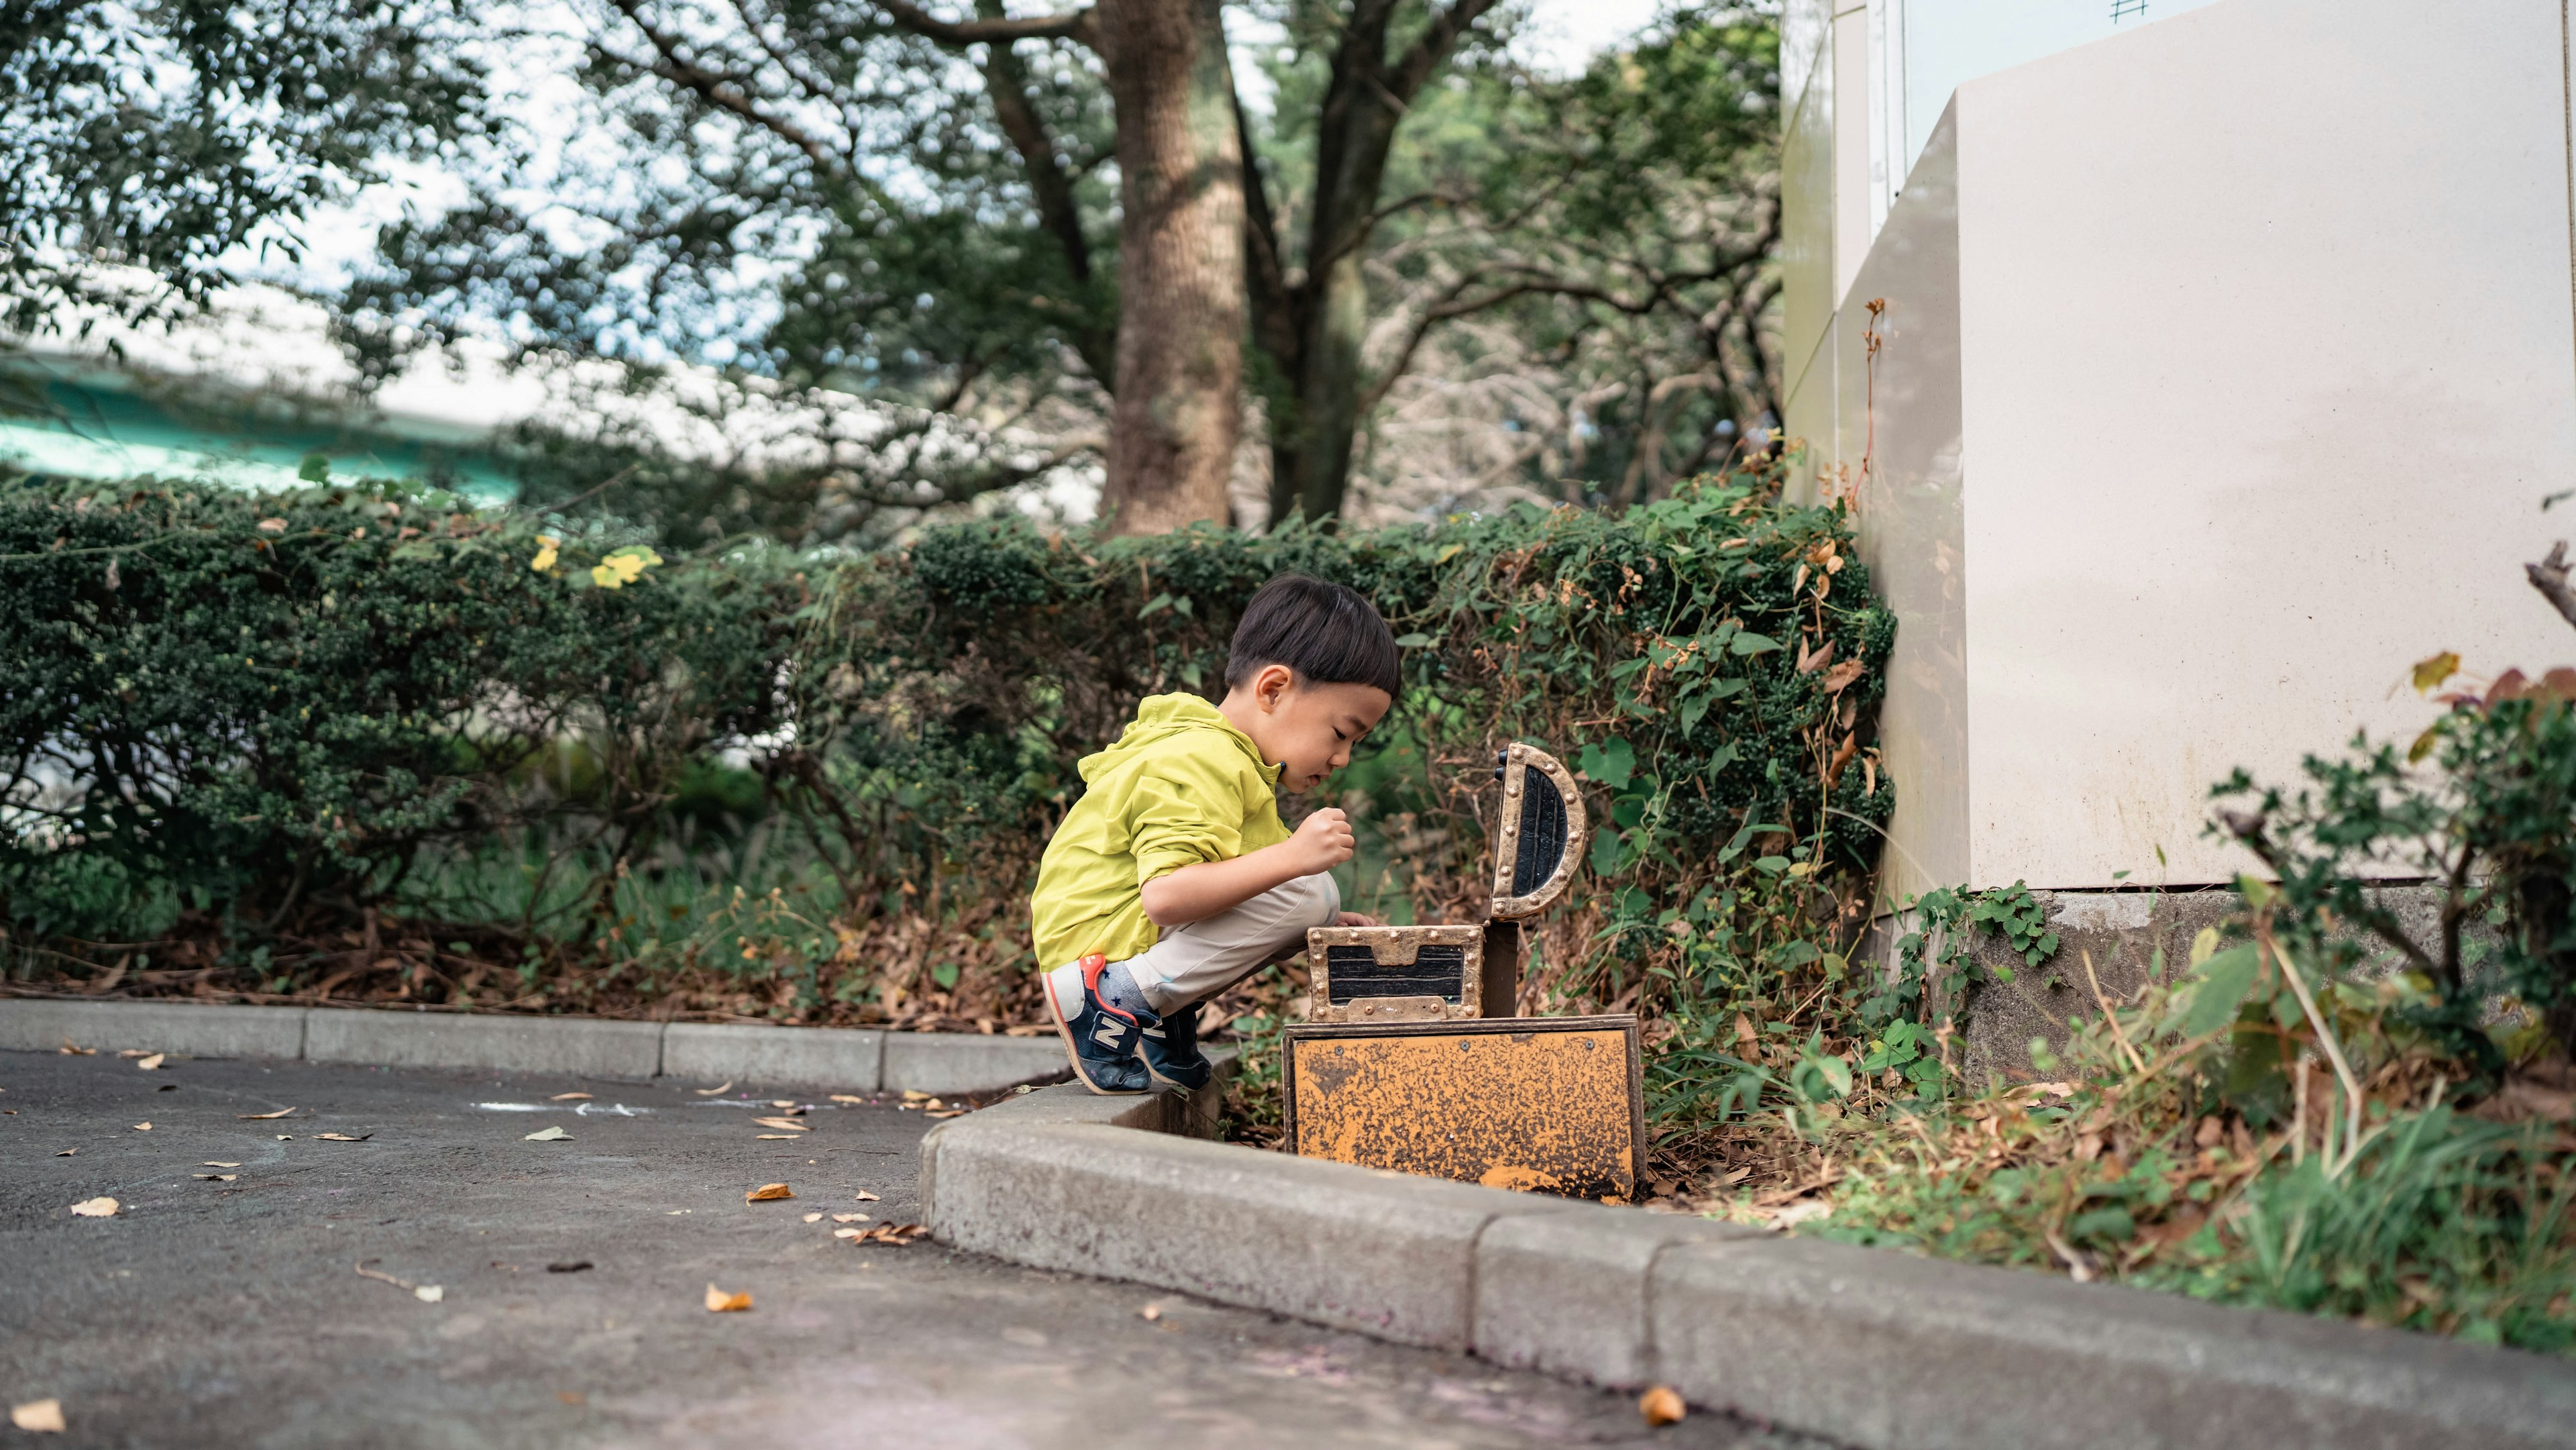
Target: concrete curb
x=852, y=1060
x=1869, y=1346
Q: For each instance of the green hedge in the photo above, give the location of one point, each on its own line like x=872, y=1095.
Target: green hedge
x=334, y=733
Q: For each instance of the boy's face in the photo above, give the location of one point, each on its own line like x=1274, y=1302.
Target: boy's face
x=1308, y=729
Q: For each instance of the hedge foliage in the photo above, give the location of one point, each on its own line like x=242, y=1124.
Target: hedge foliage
x=361, y=739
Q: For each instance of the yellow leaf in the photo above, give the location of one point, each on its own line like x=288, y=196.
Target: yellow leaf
x=768, y=1192
x=2424, y=744
x=38, y=1416
x=95, y=1208
x=623, y=567
x=2434, y=671
x=720, y=1302
x=545, y=559
x=1661, y=1406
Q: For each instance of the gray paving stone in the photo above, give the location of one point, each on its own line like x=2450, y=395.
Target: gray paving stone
x=31, y=1024
x=950, y=1062
x=848, y=1059
x=1384, y=1253
x=1886, y=1349
x=1566, y=1291
x=579, y=1047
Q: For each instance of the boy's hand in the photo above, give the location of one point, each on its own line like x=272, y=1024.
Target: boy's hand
x=1323, y=841
x=1358, y=918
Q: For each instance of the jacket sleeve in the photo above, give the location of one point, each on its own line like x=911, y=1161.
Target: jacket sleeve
x=1183, y=809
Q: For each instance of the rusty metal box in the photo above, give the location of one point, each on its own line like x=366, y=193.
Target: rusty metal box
x=1538, y=1104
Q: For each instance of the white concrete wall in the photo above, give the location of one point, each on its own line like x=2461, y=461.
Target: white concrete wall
x=2245, y=344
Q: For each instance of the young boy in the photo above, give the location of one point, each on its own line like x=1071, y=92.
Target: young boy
x=1173, y=877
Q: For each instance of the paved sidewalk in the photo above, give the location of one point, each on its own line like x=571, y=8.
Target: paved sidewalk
x=231, y=1314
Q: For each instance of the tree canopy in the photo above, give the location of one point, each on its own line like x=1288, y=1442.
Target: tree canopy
x=1421, y=274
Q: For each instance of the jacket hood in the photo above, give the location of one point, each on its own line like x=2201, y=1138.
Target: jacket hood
x=1162, y=718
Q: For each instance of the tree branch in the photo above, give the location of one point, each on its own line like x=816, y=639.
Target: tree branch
x=1406, y=78
x=721, y=91
x=1074, y=26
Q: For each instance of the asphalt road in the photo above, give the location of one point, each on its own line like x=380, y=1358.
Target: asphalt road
x=213, y=1313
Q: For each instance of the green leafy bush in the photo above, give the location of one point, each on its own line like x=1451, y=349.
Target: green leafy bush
x=816, y=788
x=2327, y=1108
x=246, y=706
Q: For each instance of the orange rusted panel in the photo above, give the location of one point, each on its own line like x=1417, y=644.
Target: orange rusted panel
x=1545, y=1104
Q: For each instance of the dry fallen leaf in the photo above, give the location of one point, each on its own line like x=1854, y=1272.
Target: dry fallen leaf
x=1661, y=1406
x=216, y=1177
x=67, y=1152
x=847, y=1098
x=782, y=1102
x=68, y=1050
x=38, y=1416
x=720, y=1302
x=787, y=1123
x=816, y=1217
x=711, y=1092
x=143, y=1127
x=263, y=1117
x=568, y=1097
x=866, y=1197
x=849, y=1218
x=286, y=1137
x=211, y=1163
x=428, y=1293
x=911, y=1096
x=343, y=1137
x=768, y=1192
x=774, y=1137
x=570, y=1397
x=95, y=1208
x=944, y=1113
x=1151, y=1312
x=847, y=1233
x=888, y=1233
x=149, y=1063
x=548, y=1135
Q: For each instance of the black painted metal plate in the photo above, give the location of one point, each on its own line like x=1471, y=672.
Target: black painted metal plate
x=1542, y=834
x=1354, y=972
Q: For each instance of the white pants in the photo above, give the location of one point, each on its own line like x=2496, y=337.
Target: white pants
x=1195, y=962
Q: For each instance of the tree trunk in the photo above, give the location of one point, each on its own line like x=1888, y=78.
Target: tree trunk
x=1353, y=134
x=1179, y=406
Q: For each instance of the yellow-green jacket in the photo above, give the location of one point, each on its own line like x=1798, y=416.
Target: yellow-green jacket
x=1181, y=786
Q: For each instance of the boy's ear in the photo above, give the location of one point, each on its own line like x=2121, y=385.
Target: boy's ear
x=1273, y=681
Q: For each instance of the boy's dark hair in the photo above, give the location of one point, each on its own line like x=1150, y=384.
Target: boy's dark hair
x=1328, y=633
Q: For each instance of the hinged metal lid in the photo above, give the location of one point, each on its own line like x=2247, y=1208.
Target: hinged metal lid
x=1542, y=834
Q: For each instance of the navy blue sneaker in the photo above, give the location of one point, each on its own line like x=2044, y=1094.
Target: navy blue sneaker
x=1171, y=1050
x=1099, y=1037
